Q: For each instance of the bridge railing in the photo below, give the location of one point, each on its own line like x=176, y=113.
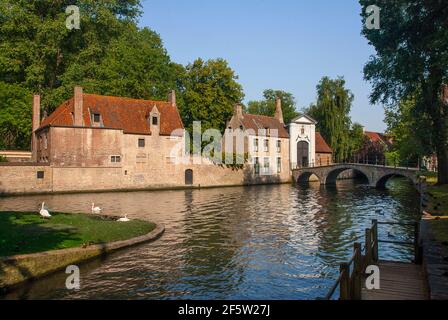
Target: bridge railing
x=351, y=273
x=318, y=164
x=382, y=161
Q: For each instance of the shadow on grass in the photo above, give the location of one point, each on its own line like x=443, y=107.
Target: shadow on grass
x=28, y=233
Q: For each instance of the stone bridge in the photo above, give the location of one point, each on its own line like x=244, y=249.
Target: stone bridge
x=376, y=176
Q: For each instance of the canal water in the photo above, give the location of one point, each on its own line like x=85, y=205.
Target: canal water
x=262, y=242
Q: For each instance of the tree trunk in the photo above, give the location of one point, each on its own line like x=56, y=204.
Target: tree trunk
x=442, y=150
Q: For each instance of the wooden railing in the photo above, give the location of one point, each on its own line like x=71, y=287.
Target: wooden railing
x=352, y=273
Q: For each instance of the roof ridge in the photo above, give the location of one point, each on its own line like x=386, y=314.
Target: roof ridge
x=63, y=106
x=123, y=98
x=260, y=115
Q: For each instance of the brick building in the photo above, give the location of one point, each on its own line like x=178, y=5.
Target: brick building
x=102, y=143
x=266, y=141
x=324, y=154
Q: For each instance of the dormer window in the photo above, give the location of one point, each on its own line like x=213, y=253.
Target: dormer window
x=267, y=131
x=154, y=121
x=96, y=118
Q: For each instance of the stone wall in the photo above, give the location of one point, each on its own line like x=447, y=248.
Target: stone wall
x=25, y=178
x=18, y=179
x=82, y=147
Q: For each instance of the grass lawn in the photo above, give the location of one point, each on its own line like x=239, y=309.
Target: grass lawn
x=438, y=200
x=437, y=195
x=22, y=233
x=440, y=229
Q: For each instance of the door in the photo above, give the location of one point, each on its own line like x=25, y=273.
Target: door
x=303, y=148
x=189, y=177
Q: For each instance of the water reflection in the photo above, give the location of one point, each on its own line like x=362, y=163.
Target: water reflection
x=266, y=242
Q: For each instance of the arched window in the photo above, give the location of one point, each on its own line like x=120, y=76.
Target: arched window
x=188, y=177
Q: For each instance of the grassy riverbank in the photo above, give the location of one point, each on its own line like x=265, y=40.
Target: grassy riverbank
x=438, y=200
x=23, y=233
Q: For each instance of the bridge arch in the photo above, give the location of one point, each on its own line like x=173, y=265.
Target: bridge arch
x=305, y=177
x=382, y=181
x=333, y=175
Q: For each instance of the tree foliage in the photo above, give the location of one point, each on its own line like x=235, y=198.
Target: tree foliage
x=332, y=113
x=210, y=91
x=412, y=139
x=15, y=117
x=109, y=55
x=266, y=107
x=38, y=52
x=411, y=60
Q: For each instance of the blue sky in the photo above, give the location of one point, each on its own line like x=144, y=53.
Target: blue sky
x=280, y=44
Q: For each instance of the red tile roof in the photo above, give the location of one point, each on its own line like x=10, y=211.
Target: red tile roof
x=129, y=115
x=378, y=137
x=258, y=122
x=321, y=144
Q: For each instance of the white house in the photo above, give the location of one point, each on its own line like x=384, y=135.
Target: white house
x=302, y=134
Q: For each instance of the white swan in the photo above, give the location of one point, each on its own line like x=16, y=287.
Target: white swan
x=43, y=212
x=96, y=210
x=125, y=219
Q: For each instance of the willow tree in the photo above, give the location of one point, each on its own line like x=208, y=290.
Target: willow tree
x=411, y=60
x=331, y=111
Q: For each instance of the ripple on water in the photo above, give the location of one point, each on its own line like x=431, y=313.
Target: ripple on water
x=265, y=242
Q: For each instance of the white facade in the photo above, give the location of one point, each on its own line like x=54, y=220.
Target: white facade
x=302, y=132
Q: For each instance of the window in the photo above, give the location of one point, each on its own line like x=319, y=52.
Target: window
x=189, y=177
x=257, y=165
x=266, y=145
x=256, y=145
x=155, y=120
x=96, y=118
x=279, y=146
x=279, y=165
x=266, y=166
x=141, y=143
x=40, y=174
x=303, y=130
x=115, y=159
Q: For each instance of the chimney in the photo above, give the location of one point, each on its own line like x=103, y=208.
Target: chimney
x=172, y=98
x=78, y=107
x=36, y=125
x=278, y=110
x=238, y=111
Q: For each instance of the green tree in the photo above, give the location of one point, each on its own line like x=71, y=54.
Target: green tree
x=135, y=65
x=331, y=112
x=267, y=106
x=412, y=139
x=357, y=138
x=210, y=91
x=15, y=117
x=412, y=59
x=36, y=48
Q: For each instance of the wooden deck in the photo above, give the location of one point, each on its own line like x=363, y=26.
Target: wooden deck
x=398, y=281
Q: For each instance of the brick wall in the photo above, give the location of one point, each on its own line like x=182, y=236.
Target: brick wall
x=19, y=179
